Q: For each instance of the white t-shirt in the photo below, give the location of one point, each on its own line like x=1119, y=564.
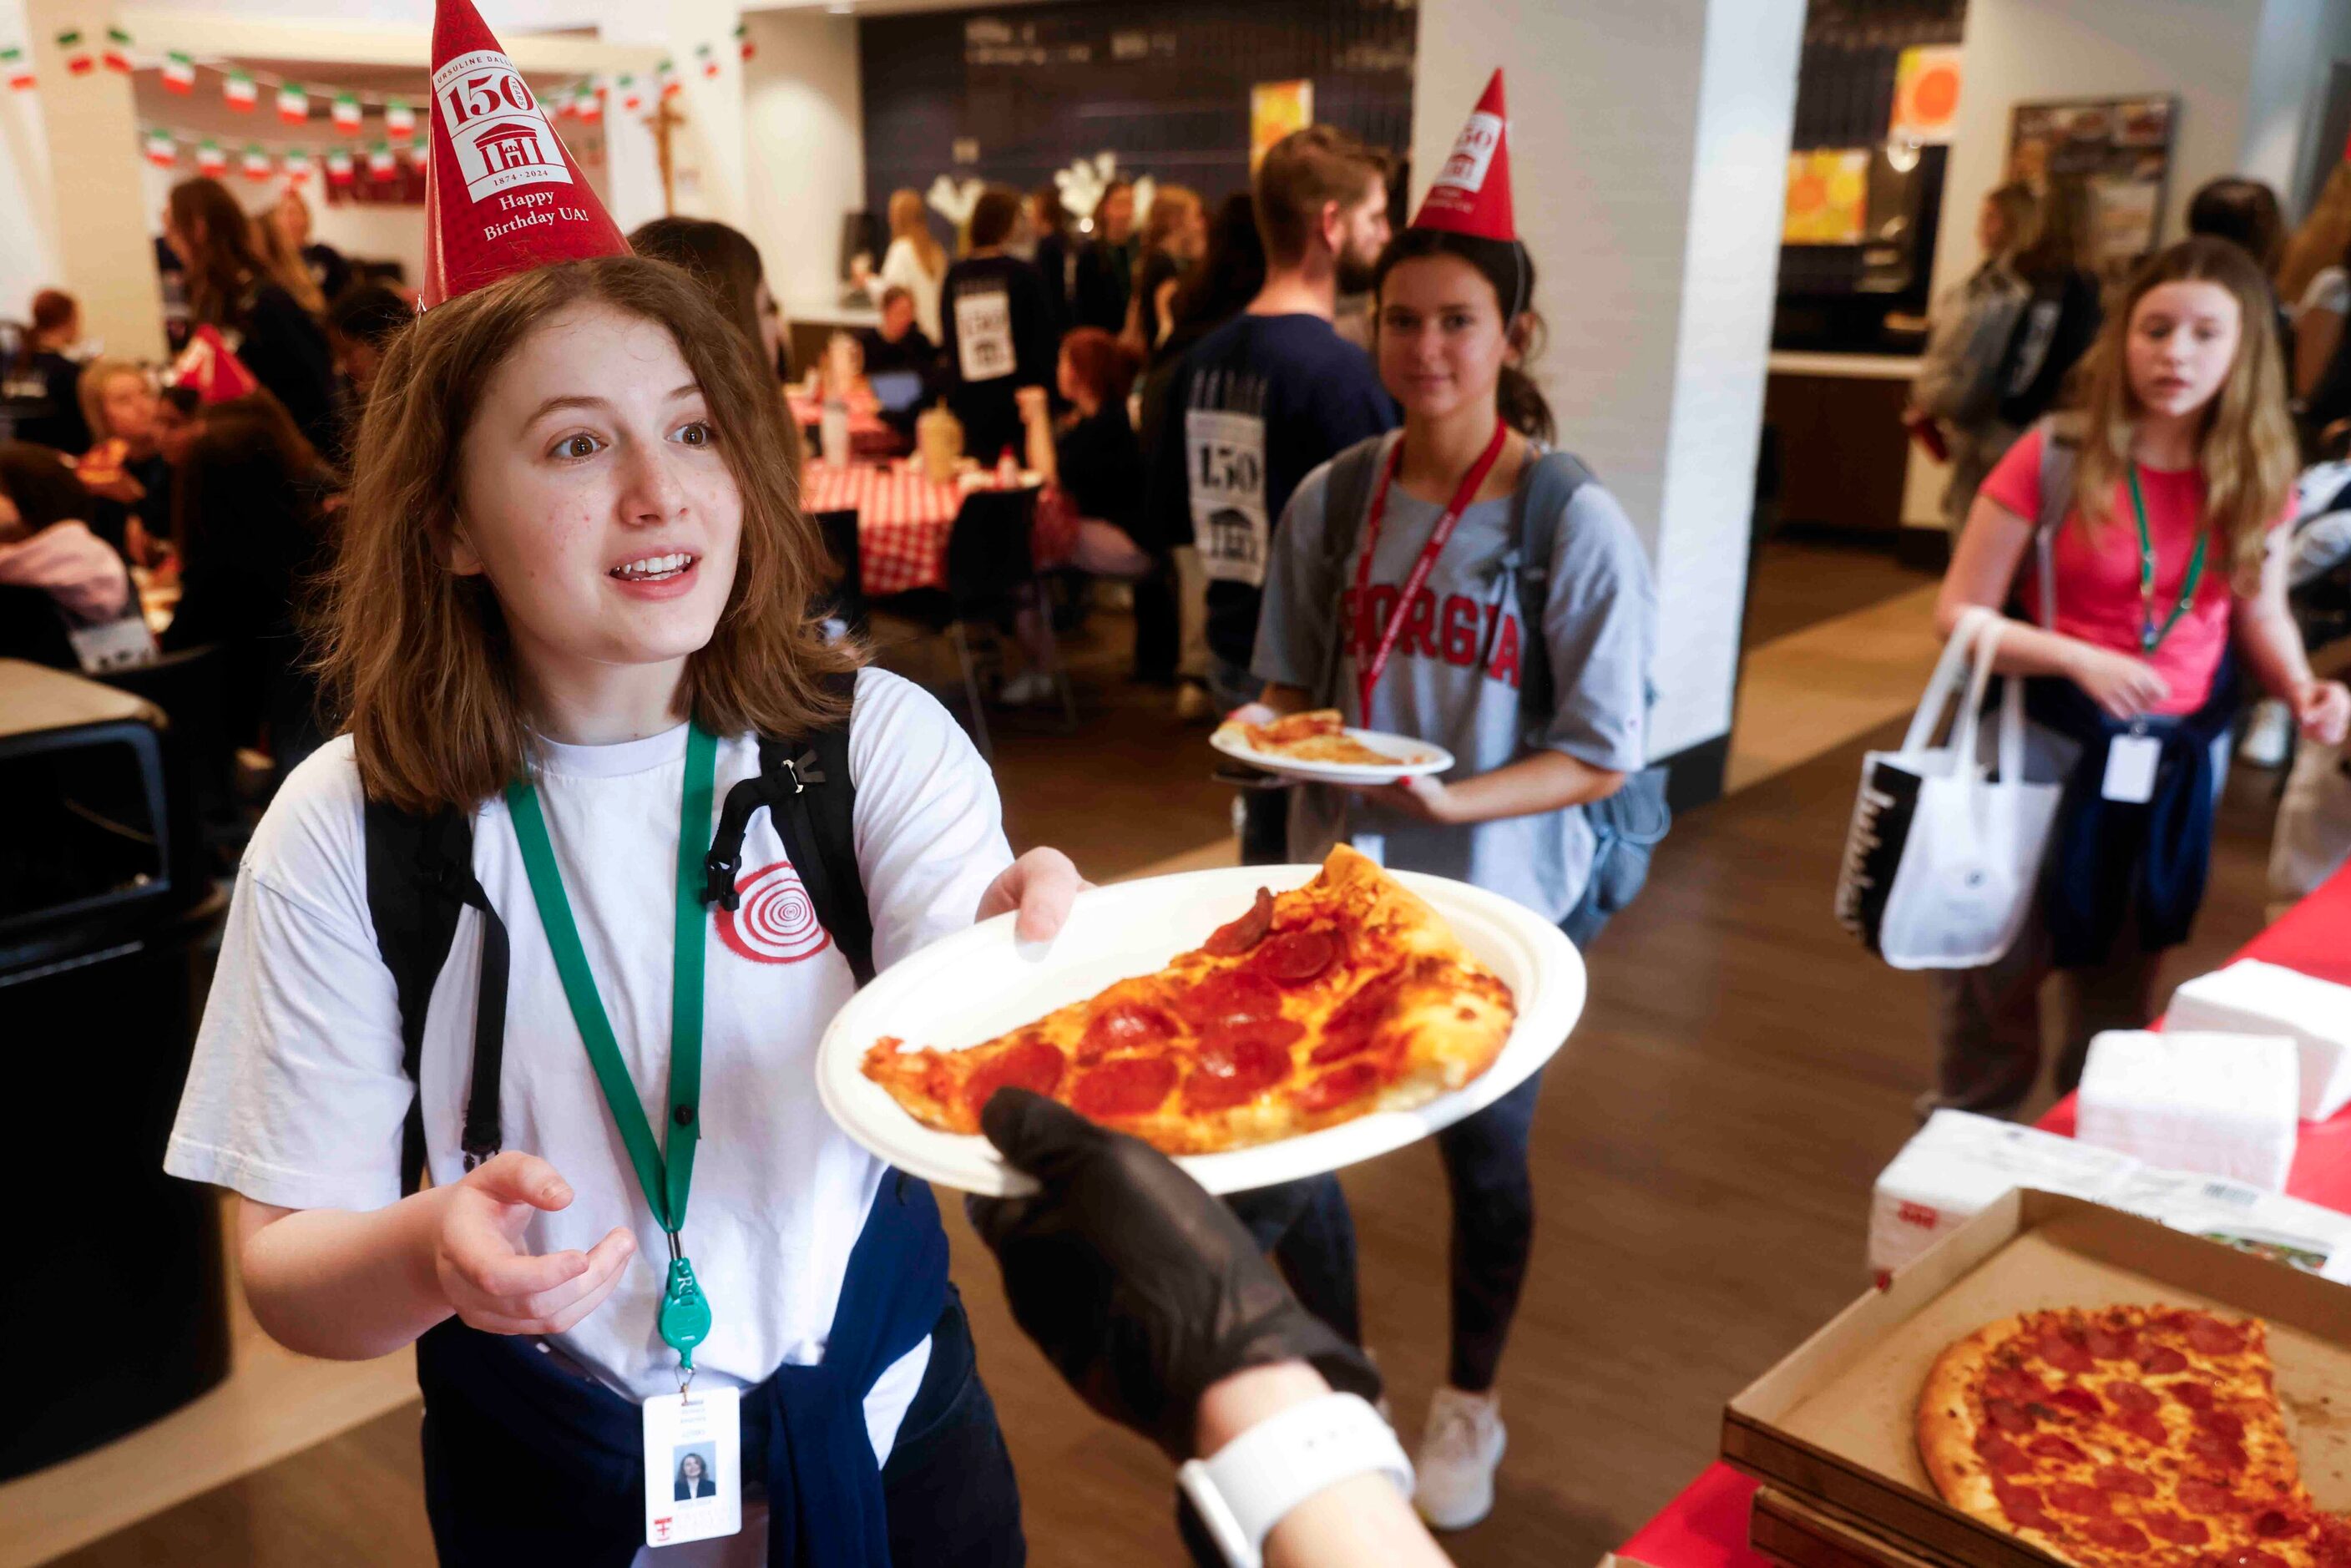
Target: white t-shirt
x=902, y=268
x=296, y=1096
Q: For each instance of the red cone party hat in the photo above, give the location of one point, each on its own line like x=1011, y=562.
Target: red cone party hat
x=209, y=366
x=502, y=195
x=1471, y=194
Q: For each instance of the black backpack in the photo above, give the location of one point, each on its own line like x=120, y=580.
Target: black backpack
x=420, y=874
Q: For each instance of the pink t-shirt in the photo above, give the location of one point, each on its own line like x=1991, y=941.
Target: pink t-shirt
x=2098, y=576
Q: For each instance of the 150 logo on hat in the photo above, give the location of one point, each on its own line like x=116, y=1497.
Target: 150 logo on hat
x=496, y=127
x=1472, y=153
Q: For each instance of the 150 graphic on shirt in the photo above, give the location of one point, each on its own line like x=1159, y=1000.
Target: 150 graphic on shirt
x=1226, y=453
x=1457, y=630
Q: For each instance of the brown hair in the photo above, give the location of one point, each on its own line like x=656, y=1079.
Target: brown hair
x=221, y=264
x=726, y=263
x=418, y=657
x=1101, y=361
x=89, y=390
x=1303, y=173
x=2247, y=453
x=53, y=309
x=1170, y=206
x=2060, y=241
x=250, y=474
x=2322, y=240
x=994, y=216
x=2020, y=216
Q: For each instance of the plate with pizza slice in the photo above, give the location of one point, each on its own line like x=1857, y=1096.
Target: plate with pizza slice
x=1320, y=746
x=1259, y=1023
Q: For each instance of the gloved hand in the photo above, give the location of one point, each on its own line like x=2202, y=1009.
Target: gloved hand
x=1137, y=1284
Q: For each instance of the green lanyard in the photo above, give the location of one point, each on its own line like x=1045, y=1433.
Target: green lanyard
x=684, y=1319
x=2150, y=635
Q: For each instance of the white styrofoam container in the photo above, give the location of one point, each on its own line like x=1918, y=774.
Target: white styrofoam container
x=2225, y=1104
x=2252, y=998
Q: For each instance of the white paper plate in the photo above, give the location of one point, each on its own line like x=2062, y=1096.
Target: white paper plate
x=1412, y=759
x=980, y=983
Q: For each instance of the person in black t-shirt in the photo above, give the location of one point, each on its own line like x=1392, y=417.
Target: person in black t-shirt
x=2063, y=313
x=1172, y=239
x=1259, y=401
x=1057, y=254
x=999, y=330
x=1105, y=271
x=895, y=350
x=56, y=327
x=327, y=266
x=229, y=288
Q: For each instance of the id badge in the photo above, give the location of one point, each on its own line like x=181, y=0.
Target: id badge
x=2130, y=769
x=693, y=1483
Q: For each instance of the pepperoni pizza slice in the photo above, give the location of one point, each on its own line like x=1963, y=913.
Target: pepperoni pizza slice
x=2143, y=1436
x=1346, y=995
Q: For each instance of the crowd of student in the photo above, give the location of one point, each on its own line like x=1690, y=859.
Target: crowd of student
x=1309, y=522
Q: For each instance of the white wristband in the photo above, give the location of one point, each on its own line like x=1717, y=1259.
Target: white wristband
x=1246, y=1487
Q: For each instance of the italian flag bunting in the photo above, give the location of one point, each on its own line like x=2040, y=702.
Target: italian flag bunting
x=338, y=166
x=421, y=153
x=347, y=113
x=79, y=59
x=118, y=51
x=710, y=61
x=632, y=99
x=667, y=76
x=211, y=161
x=179, y=74
x=293, y=103
x=298, y=166
x=162, y=151
x=257, y=162
x=588, y=103
x=20, y=70
x=399, y=119
x=743, y=39
x=382, y=167
x=240, y=92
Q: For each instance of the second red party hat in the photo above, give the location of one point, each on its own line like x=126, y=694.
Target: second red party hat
x=209, y=366
x=1471, y=194
x=502, y=195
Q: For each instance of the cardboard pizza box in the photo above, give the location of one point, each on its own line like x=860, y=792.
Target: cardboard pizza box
x=1802, y=1535
x=1834, y=1423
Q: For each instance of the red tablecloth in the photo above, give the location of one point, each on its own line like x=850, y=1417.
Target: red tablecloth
x=903, y=520
x=1706, y=1526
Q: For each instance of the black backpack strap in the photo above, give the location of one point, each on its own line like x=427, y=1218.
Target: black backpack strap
x=812, y=802
x=420, y=874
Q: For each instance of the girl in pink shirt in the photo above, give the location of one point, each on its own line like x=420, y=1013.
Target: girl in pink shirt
x=2179, y=465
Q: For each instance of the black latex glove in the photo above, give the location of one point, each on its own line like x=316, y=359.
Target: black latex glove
x=1139, y=1286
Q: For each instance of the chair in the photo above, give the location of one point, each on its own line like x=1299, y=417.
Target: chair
x=990, y=571
x=845, y=600
x=191, y=687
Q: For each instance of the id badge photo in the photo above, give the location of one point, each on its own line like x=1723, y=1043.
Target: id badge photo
x=694, y=1477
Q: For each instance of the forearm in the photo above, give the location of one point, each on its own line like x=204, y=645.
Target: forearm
x=2025, y=648
x=1362, y=1519
x=1545, y=781
x=341, y=1284
x=2271, y=646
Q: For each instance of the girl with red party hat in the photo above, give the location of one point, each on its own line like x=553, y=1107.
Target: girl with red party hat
x=1459, y=582
x=559, y=919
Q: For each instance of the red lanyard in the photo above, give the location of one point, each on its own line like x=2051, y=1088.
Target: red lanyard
x=1368, y=676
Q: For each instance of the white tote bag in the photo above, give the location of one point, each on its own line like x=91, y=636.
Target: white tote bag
x=1941, y=863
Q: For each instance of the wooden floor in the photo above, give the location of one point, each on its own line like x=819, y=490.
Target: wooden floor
x=1702, y=1163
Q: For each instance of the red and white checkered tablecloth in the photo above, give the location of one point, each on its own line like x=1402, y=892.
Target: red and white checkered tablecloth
x=903, y=520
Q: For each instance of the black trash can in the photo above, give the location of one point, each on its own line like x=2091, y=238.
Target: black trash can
x=115, y=1298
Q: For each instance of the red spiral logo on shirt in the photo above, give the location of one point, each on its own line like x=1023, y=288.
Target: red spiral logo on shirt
x=773, y=921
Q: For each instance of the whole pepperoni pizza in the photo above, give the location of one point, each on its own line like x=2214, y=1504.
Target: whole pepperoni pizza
x=2145, y=1436
x=1316, y=1005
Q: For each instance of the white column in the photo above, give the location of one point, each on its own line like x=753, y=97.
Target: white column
x=803, y=123
x=1649, y=151
x=102, y=253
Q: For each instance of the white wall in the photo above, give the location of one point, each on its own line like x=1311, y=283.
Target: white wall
x=1648, y=146
x=2297, y=43
x=802, y=122
x=28, y=216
